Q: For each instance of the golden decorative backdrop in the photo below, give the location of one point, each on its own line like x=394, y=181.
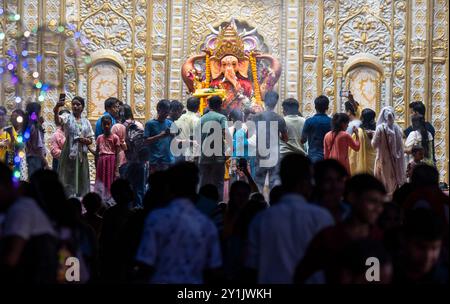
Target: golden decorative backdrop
x=314, y=39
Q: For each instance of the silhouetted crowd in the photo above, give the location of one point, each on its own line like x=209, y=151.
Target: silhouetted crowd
x=319, y=226
x=349, y=200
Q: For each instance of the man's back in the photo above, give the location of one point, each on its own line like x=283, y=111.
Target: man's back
x=187, y=123
x=214, y=116
x=314, y=131
x=279, y=237
x=294, y=125
x=267, y=117
x=214, y=120
x=180, y=243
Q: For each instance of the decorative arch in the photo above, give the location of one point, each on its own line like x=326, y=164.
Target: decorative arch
x=363, y=76
x=106, y=76
x=363, y=59
x=108, y=55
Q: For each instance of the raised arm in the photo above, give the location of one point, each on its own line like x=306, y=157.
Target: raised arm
x=376, y=140
x=354, y=143
x=56, y=117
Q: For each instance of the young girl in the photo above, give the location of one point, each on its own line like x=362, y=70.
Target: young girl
x=108, y=147
x=57, y=142
x=337, y=142
x=418, y=154
x=120, y=130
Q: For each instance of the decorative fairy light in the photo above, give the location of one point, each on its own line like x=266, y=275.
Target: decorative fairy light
x=24, y=61
x=20, y=142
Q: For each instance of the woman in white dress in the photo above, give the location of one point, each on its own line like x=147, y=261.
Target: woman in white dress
x=390, y=160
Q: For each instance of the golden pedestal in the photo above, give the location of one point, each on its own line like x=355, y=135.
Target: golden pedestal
x=206, y=93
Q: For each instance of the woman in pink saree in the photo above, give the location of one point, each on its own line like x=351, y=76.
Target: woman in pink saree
x=390, y=159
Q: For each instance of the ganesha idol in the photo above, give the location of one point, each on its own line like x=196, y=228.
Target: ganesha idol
x=229, y=56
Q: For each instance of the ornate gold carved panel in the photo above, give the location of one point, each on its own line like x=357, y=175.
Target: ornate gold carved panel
x=439, y=95
x=312, y=38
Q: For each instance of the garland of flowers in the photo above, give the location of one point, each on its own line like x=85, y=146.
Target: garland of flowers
x=208, y=71
x=255, y=79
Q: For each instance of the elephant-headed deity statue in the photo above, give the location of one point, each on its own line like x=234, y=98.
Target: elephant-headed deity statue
x=229, y=56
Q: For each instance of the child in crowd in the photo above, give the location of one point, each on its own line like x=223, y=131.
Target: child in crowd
x=418, y=154
x=57, y=143
x=120, y=130
x=108, y=147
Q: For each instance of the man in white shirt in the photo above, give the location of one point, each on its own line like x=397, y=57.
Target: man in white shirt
x=279, y=236
x=294, y=125
x=186, y=124
x=179, y=244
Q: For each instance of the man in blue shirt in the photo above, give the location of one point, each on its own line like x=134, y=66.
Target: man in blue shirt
x=315, y=129
x=158, y=137
x=111, y=110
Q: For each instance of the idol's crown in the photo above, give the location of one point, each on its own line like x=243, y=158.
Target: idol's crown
x=229, y=42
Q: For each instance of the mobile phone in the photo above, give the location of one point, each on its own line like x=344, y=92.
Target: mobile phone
x=62, y=97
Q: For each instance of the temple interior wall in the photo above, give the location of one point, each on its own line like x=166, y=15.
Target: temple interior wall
x=393, y=51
